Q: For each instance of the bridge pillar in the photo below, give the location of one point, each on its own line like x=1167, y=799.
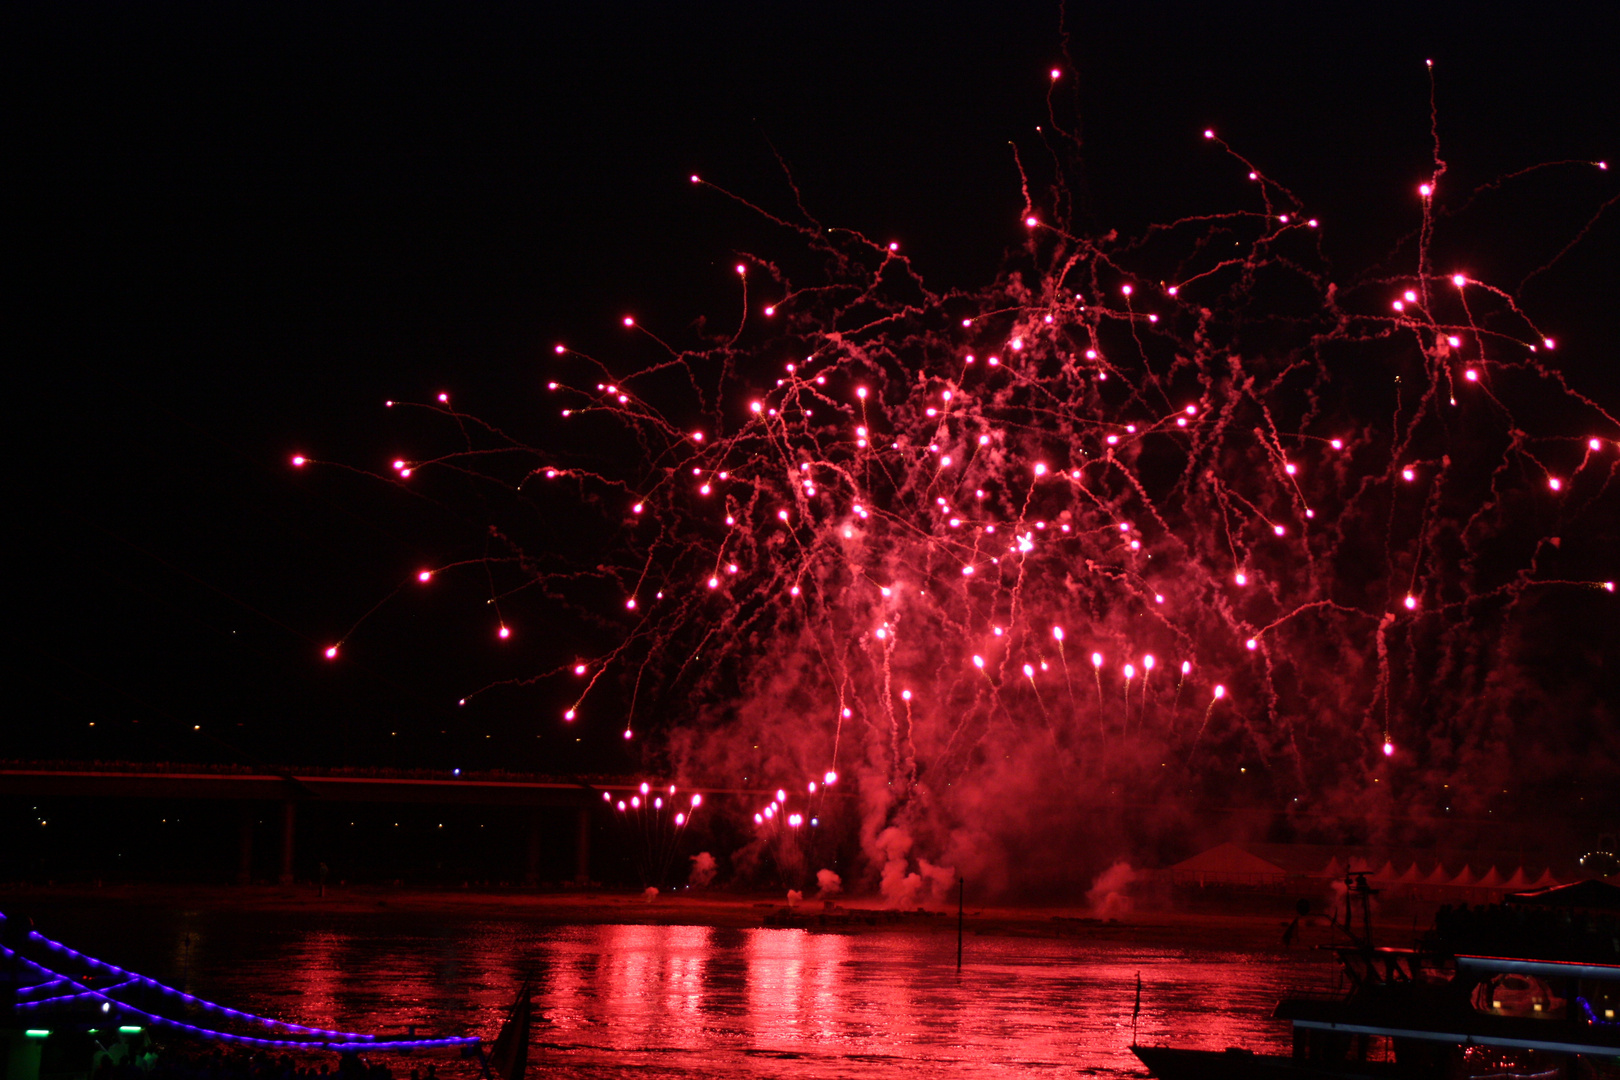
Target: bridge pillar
x=531, y=867
x=244, y=845
x=582, y=848
x=289, y=826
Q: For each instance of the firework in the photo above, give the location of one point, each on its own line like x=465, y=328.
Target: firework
x=652, y=821
x=896, y=508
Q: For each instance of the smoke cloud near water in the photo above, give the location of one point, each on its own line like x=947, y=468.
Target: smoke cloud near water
x=1108, y=896
x=903, y=887
x=704, y=868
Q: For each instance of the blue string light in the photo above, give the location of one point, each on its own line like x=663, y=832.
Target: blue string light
x=40, y=988
x=190, y=999
x=365, y=1042
x=1592, y=1016
x=337, y=1041
x=74, y=997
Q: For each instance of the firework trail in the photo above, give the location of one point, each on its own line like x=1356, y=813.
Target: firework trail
x=836, y=536
x=652, y=825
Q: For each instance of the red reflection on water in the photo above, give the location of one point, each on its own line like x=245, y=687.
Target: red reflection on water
x=688, y=1001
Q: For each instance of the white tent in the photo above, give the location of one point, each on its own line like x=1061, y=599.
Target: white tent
x=1546, y=880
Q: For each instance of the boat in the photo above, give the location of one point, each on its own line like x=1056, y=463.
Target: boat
x=63, y=1013
x=508, y=1056
x=1525, y=990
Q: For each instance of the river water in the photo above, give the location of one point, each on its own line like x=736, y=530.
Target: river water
x=694, y=1001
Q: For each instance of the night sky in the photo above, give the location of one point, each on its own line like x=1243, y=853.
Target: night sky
x=235, y=230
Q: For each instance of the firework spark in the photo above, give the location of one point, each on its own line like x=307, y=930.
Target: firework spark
x=859, y=530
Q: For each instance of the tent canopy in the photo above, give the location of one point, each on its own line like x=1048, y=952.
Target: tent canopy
x=1229, y=858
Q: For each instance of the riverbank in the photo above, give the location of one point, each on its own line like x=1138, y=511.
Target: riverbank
x=1246, y=923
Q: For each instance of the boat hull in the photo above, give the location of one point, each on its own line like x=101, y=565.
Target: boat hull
x=1168, y=1063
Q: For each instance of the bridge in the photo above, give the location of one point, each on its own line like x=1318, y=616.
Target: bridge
x=289, y=789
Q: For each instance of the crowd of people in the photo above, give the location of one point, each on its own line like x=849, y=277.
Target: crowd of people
x=144, y=1061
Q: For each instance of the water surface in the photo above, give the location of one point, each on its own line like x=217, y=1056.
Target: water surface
x=695, y=1001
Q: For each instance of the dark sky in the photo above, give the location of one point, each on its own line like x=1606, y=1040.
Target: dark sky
x=234, y=230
